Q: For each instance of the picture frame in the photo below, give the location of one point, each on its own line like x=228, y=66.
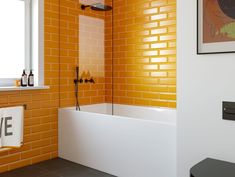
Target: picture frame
x=215, y=26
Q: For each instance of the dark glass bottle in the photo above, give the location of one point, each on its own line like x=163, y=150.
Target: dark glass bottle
x=23, y=81
x=31, y=79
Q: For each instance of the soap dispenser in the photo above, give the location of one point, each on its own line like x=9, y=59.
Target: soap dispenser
x=23, y=81
x=31, y=79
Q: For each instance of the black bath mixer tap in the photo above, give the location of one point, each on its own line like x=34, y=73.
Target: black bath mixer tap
x=91, y=80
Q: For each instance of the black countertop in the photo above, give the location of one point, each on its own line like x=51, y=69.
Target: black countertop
x=213, y=168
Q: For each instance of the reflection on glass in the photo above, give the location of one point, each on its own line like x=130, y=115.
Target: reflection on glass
x=91, y=45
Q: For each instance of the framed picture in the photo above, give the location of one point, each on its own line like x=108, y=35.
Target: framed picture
x=215, y=26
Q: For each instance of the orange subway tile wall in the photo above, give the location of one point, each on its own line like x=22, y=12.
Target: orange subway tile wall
x=70, y=52
x=144, y=52
x=40, y=122
x=109, y=53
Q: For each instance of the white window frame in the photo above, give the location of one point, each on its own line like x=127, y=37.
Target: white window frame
x=28, y=35
x=37, y=39
x=34, y=42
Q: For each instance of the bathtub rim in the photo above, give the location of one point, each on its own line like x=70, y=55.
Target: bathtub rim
x=172, y=123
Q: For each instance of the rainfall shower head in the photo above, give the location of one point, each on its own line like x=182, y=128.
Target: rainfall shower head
x=97, y=7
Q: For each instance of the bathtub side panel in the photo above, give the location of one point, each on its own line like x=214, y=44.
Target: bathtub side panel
x=88, y=139
x=117, y=145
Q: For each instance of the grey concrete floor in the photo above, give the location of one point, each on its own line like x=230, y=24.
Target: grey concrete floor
x=55, y=168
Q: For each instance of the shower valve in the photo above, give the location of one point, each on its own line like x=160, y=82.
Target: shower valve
x=78, y=81
x=81, y=80
x=91, y=80
x=75, y=81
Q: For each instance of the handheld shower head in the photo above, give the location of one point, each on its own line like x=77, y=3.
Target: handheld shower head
x=97, y=7
x=76, y=81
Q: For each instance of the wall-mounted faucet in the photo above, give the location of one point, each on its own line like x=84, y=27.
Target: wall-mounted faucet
x=86, y=78
x=91, y=80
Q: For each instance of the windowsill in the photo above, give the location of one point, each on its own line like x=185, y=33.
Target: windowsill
x=14, y=88
x=4, y=149
x=8, y=148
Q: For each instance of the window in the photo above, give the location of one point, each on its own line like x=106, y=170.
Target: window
x=20, y=34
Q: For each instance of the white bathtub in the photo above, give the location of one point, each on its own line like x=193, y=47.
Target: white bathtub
x=134, y=142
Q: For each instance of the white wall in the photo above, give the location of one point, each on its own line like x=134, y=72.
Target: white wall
x=203, y=83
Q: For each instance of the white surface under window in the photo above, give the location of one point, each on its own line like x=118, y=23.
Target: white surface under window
x=21, y=40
